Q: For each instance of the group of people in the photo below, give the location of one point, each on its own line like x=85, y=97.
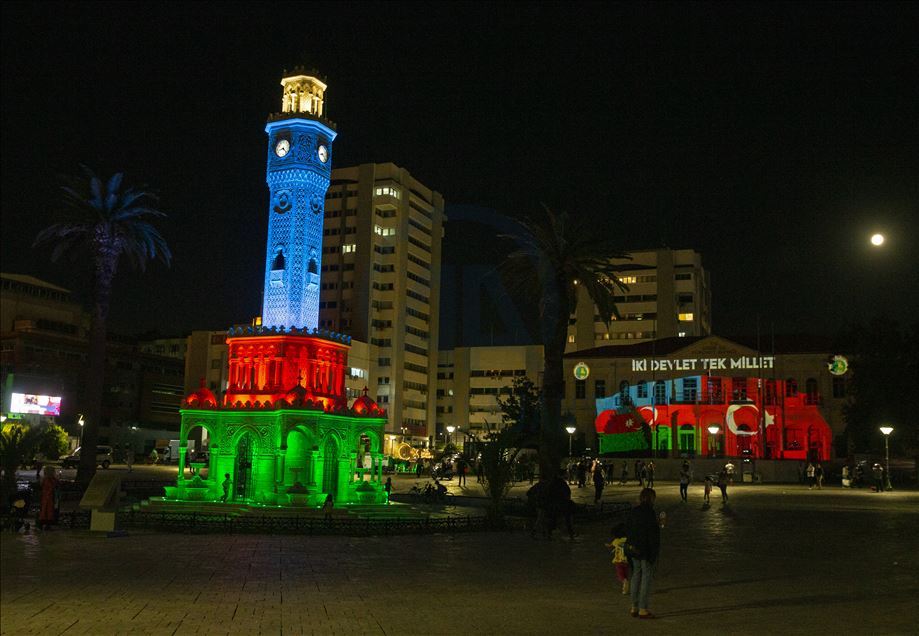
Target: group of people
x=814, y=474
x=549, y=499
x=584, y=471
x=49, y=503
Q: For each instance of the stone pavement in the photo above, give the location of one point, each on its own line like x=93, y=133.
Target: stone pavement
x=777, y=560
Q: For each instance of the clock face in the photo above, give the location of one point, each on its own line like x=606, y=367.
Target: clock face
x=282, y=148
x=323, y=153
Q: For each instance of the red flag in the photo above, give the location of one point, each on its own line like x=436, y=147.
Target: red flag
x=610, y=422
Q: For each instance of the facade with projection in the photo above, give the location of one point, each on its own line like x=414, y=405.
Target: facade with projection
x=710, y=397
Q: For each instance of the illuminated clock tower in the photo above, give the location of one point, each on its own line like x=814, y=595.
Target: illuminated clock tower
x=299, y=167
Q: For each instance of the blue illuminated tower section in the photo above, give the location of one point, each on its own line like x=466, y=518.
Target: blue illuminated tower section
x=299, y=166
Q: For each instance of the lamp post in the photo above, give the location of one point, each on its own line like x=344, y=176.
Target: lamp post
x=450, y=430
x=713, y=431
x=571, y=430
x=81, y=422
x=887, y=430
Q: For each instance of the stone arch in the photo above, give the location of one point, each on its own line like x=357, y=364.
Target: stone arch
x=299, y=442
x=376, y=441
x=238, y=434
x=331, y=449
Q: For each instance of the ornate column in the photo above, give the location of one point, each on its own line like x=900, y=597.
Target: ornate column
x=280, y=463
x=182, y=450
x=315, y=467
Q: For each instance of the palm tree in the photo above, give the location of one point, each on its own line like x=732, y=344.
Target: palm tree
x=556, y=255
x=104, y=222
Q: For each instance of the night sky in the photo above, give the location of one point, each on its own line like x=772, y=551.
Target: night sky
x=772, y=138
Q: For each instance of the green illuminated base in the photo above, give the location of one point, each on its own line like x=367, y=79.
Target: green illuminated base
x=292, y=458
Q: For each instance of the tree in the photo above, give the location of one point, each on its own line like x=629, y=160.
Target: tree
x=17, y=444
x=884, y=366
x=105, y=223
x=521, y=406
x=556, y=255
x=53, y=442
x=499, y=450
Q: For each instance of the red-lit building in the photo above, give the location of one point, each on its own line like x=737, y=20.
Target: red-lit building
x=779, y=401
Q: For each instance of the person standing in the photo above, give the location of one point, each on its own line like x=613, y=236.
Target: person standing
x=582, y=474
x=643, y=534
x=388, y=488
x=47, y=514
x=599, y=482
x=811, y=476
x=818, y=475
x=418, y=469
x=651, y=474
x=723, y=479
x=559, y=503
x=461, y=471
x=227, y=482
x=624, y=479
x=638, y=474
x=129, y=458
x=643, y=479
x=708, y=489
x=878, y=473
x=685, y=478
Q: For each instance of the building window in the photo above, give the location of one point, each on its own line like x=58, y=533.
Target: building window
x=642, y=388
x=580, y=389
x=839, y=388
x=685, y=317
x=348, y=248
x=571, y=338
x=791, y=387
x=681, y=334
x=384, y=231
x=387, y=191
x=660, y=392
x=683, y=277
x=599, y=389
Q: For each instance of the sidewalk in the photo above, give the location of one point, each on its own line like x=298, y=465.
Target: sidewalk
x=774, y=561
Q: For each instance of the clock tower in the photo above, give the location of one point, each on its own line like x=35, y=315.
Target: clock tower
x=298, y=171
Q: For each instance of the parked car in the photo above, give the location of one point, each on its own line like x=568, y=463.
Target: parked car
x=103, y=457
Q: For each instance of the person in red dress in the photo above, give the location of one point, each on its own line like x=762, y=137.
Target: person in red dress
x=47, y=515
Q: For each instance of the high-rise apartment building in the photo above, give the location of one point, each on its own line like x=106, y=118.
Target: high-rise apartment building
x=669, y=296
x=381, y=284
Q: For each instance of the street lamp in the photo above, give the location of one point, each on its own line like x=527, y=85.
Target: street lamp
x=571, y=430
x=713, y=430
x=887, y=430
x=81, y=422
x=450, y=430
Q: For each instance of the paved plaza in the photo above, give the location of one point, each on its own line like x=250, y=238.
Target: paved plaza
x=780, y=559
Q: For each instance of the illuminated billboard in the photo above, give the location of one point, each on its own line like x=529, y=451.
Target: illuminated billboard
x=38, y=404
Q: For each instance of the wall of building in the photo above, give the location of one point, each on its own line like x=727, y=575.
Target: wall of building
x=669, y=294
x=380, y=284
x=611, y=366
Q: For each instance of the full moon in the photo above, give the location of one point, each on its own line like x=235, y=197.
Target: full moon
x=877, y=239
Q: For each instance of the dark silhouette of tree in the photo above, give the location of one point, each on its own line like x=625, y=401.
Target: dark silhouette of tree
x=884, y=366
x=103, y=223
x=557, y=255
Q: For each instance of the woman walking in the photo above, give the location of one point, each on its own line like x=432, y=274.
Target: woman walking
x=598, y=482
x=643, y=535
x=685, y=478
x=723, y=484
